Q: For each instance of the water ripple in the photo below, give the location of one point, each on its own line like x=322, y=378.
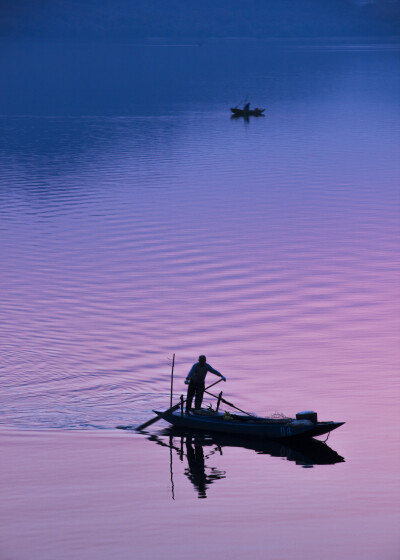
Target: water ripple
x=272, y=247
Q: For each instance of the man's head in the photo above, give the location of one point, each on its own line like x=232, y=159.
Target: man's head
x=202, y=360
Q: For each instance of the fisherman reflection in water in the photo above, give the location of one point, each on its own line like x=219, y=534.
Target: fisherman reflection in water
x=196, y=382
x=196, y=471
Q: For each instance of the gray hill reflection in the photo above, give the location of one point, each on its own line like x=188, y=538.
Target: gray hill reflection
x=197, y=450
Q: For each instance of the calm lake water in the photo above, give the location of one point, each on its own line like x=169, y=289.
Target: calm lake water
x=138, y=220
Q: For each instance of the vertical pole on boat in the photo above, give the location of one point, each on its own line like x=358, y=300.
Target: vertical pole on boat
x=172, y=380
x=181, y=405
x=219, y=400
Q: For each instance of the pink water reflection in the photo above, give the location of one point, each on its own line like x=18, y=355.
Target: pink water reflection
x=272, y=248
x=64, y=497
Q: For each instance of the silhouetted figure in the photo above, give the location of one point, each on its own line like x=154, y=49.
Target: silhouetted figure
x=196, y=380
x=196, y=471
x=246, y=108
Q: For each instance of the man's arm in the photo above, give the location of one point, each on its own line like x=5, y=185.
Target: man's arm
x=215, y=372
x=189, y=375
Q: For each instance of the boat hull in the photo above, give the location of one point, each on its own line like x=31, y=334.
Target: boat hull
x=251, y=113
x=257, y=428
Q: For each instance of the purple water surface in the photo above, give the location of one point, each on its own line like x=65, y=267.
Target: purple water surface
x=142, y=226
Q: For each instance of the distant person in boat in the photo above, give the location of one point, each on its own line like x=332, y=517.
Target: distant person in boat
x=246, y=108
x=196, y=381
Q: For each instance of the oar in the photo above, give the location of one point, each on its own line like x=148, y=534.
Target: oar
x=227, y=402
x=175, y=407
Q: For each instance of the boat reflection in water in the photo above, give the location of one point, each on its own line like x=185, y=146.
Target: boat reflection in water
x=199, y=448
x=197, y=472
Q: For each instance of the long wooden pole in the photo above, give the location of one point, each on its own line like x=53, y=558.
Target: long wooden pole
x=220, y=399
x=172, y=380
x=175, y=407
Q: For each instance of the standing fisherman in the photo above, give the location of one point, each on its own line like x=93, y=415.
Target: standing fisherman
x=196, y=382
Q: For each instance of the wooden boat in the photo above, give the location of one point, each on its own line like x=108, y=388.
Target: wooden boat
x=305, y=425
x=250, y=113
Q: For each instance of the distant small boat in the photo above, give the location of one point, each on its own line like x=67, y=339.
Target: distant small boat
x=304, y=425
x=247, y=113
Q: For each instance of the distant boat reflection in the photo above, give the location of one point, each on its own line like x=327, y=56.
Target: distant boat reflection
x=198, y=448
x=244, y=118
